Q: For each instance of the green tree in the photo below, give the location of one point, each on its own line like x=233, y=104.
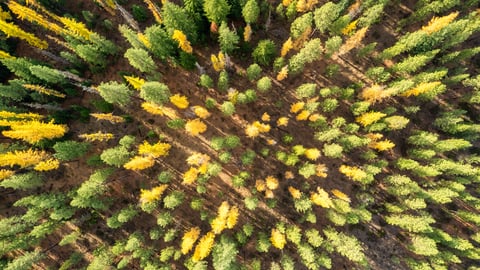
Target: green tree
x=224, y=253
x=250, y=11
x=253, y=72
x=264, y=84
x=222, y=83
x=141, y=60
x=46, y=74
x=309, y=53
x=23, y=181
x=26, y=261
x=413, y=63
x=325, y=15
x=227, y=38
x=216, y=11
x=177, y=18
x=114, y=92
x=89, y=194
x=116, y=156
x=155, y=92
x=162, y=46
x=70, y=150
x=345, y=245
x=265, y=52
x=131, y=36
x=301, y=24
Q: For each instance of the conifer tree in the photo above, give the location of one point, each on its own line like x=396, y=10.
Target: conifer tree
x=155, y=92
x=162, y=46
x=26, y=261
x=216, y=11
x=89, y=194
x=23, y=181
x=250, y=11
x=114, y=92
x=325, y=15
x=224, y=253
x=227, y=38
x=141, y=60
x=175, y=17
x=35, y=131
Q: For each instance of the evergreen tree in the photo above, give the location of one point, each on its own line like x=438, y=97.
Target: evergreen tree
x=70, y=150
x=265, y=52
x=23, y=181
x=301, y=24
x=309, y=53
x=116, y=156
x=162, y=46
x=250, y=11
x=114, y=92
x=413, y=63
x=89, y=194
x=227, y=38
x=224, y=253
x=25, y=262
x=155, y=92
x=141, y=60
x=325, y=15
x=47, y=74
x=177, y=18
x=216, y=11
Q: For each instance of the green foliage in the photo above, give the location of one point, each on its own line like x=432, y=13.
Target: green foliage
x=227, y=38
x=26, y=261
x=414, y=63
x=306, y=90
x=332, y=45
x=346, y=245
x=227, y=108
x=114, y=92
x=250, y=11
x=301, y=24
x=177, y=18
x=70, y=238
x=70, y=150
x=155, y=92
x=216, y=10
x=378, y=74
x=253, y=72
x=206, y=81
x=162, y=46
x=222, y=83
x=325, y=15
x=88, y=195
x=411, y=223
x=141, y=60
x=23, y=181
x=265, y=51
x=224, y=253
x=263, y=242
x=173, y=199
x=423, y=245
x=309, y=53
x=333, y=150
x=139, y=13
x=48, y=75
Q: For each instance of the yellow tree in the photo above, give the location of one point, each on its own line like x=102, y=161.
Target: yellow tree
x=353, y=41
x=204, y=247
x=25, y=13
x=353, y=172
x=43, y=90
x=22, y=158
x=154, y=150
x=154, y=9
x=34, y=131
x=152, y=195
x=11, y=30
x=278, y=239
x=437, y=24
x=369, y=118
x=195, y=127
x=135, y=82
x=75, y=28
x=179, y=101
x=321, y=198
x=98, y=136
x=189, y=239
x=47, y=165
x=108, y=117
x=183, y=43
x=138, y=163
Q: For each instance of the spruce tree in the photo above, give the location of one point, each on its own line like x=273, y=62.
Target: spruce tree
x=227, y=38
x=216, y=11
x=155, y=92
x=141, y=60
x=114, y=92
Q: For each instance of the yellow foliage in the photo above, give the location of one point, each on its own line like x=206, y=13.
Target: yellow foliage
x=154, y=150
x=269, y=194
x=138, y=163
x=25, y=13
x=342, y=196
x=374, y=93
x=190, y=176
x=135, y=82
x=306, y=5
x=260, y=185
x=321, y=170
x=22, y=158
x=183, y=43
x=314, y=117
x=437, y=24
x=297, y=107
x=76, y=28
x=278, y=239
x=153, y=8
x=47, y=165
x=34, y=131
x=321, y=198
x=179, y=101
x=218, y=225
x=198, y=159
x=282, y=74
x=421, y=88
x=144, y=40
x=289, y=175
x=282, y=121
x=247, y=34
x=5, y=15
x=350, y=28
x=285, y=3
x=11, y=30
x=286, y=47
x=296, y=194
x=43, y=90
x=302, y=116
x=154, y=194
x=188, y=239
x=298, y=43
x=223, y=210
x=195, y=127
x=152, y=108
x=203, y=168
x=99, y=136
x=218, y=63
x=6, y=173
x=232, y=217
x=271, y=182
x=353, y=41
x=353, y=173
x=369, y=118
x=252, y=131
x=312, y=153
x=29, y=115
x=201, y=112
x=263, y=128
x=5, y=55
x=265, y=117
x=382, y=145
x=204, y=246
x=108, y=117
x=271, y=142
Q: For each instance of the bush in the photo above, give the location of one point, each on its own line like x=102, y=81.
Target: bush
x=70, y=150
x=264, y=84
x=253, y=72
x=265, y=52
x=227, y=108
x=206, y=81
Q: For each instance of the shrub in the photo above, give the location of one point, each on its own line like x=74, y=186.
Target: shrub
x=70, y=150
x=253, y=72
x=206, y=81
x=265, y=52
x=264, y=84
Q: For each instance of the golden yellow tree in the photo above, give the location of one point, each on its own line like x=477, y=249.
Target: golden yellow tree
x=312, y=153
x=135, y=82
x=201, y=112
x=232, y=217
x=421, y=89
x=353, y=41
x=369, y=118
x=154, y=9
x=204, y=247
x=98, y=136
x=195, y=127
x=75, y=28
x=321, y=198
x=218, y=63
x=342, y=196
x=189, y=239
x=22, y=158
x=6, y=173
x=353, y=172
x=437, y=24
x=47, y=165
x=296, y=194
x=25, y=13
x=278, y=239
x=35, y=131
x=11, y=30
x=152, y=195
x=138, y=163
x=247, y=34
x=183, y=43
x=154, y=150
x=190, y=176
x=282, y=74
x=43, y=90
x=108, y=117
x=179, y=101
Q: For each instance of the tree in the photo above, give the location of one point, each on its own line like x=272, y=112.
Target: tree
x=11, y=29
x=250, y=11
x=227, y=39
x=265, y=52
x=309, y=53
x=216, y=11
x=70, y=150
x=35, y=131
x=325, y=15
x=301, y=24
x=141, y=60
x=26, y=261
x=413, y=63
x=162, y=46
x=155, y=92
x=175, y=17
x=46, y=74
x=189, y=239
x=346, y=245
x=116, y=156
x=224, y=253
x=23, y=181
x=89, y=194
x=204, y=247
x=114, y=92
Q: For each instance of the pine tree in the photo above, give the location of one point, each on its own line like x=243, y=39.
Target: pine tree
x=23, y=181
x=308, y=54
x=35, y=131
x=155, y=92
x=250, y=11
x=216, y=11
x=141, y=60
x=224, y=253
x=227, y=39
x=346, y=245
x=26, y=261
x=11, y=30
x=195, y=127
x=162, y=46
x=89, y=194
x=189, y=239
x=176, y=17
x=114, y=92
x=204, y=247
x=301, y=24
x=325, y=15
x=413, y=63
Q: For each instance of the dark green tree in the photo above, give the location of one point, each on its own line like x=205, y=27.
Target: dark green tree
x=70, y=150
x=177, y=18
x=265, y=52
